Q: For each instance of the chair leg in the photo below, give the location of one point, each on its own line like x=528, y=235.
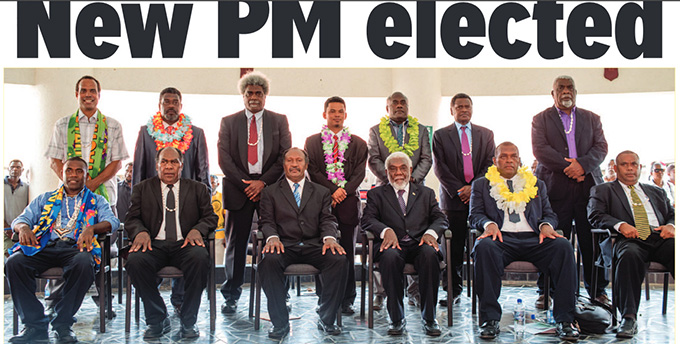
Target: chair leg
x=128, y=303
x=298, y=285
x=252, y=289
x=546, y=292
x=212, y=296
x=449, y=279
x=362, y=312
x=120, y=279
x=647, y=286
x=258, y=296
x=136, y=308
x=109, y=294
x=101, y=275
x=665, y=293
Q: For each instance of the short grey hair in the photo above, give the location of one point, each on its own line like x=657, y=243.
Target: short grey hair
x=398, y=156
x=565, y=77
x=395, y=94
x=253, y=79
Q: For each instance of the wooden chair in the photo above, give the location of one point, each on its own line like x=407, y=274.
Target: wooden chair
x=173, y=272
x=103, y=276
x=409, y=269
x=291, y=270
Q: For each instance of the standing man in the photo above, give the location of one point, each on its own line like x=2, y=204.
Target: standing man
x=462, y=153
x=96, y=138
x=645, y=220
x=168, y=222
x=297, y=223
x=569, y=144
x=407, y=220
x=250, y=150
x=398, y=132
x=57, y=229
x=16, y=199
x=337, y=160
x=169, y=127
x=124, y=193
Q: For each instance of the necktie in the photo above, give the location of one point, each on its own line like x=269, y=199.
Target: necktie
x=400, y=134
x=467, y=155
x=335, y=148
x=402, y=203
x=514, y=217
x=640, y=214
x=253, y=140
x=296, y=193
x=170, y=221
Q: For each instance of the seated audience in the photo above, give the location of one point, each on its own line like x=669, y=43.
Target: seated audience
x=57, y=229
x=657, y=170
x=406, y=218
x=511, y=207
x=645, y=220
x=168, y=222
x=296, y=220
x=671, y=174
x=610, y=175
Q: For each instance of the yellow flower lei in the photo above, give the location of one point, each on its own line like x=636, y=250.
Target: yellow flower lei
x=391, y=142
x=515, y=201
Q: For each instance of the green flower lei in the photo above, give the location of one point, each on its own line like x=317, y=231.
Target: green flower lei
x=391, y=142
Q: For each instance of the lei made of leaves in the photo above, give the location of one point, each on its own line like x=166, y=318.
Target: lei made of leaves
x=391, y=142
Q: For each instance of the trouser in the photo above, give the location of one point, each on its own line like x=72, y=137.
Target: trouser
x=194, y=261
x=348, y=241
x=238, y=231
x=22, y=270
x=460, y=232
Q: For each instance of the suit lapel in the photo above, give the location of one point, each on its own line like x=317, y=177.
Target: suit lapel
x=413, y=193
x=307, y=192
x=621, y=194
x=476, y=143
x=654, y=200
x=266, y=136
x=579, y=128
x=555, y=118
x=455, y=140
x=183, y=192
x=391, y=197
x=241, y=126
x=288, y=193
x=157, y=195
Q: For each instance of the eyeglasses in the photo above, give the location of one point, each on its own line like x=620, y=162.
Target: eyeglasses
x=657, y=170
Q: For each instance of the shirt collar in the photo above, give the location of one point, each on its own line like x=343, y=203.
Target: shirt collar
x=291, y=183
x=624, y=186
x=79, y=195
x=82, y=116
x=257, y=115
x=20, y=182
x=163, y=185
x=458, y=125
x=406, y=189
x=394, y=124
x=560, y=112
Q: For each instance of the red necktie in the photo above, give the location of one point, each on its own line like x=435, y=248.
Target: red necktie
x=335, y=148
x=252, y=142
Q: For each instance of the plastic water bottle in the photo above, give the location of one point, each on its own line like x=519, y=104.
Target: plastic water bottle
x=549, y=317
x=519, y=318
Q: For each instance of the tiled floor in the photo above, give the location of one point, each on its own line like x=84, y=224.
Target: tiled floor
x=238, y=328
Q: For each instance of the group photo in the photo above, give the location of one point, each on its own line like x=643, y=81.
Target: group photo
x=339, y=205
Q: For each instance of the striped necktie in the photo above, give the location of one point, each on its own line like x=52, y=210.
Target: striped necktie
x=640, y=214
x=296, y=193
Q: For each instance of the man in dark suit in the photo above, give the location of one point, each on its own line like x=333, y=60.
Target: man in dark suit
x=456, y=165
x=523, y=230
x=408, y=221
x=250, y=148
x=334, y=147
x=170, y=127
x=168, y=222
x=644, y=216
x=298, y=226
x=398, y=132
x=569, y=144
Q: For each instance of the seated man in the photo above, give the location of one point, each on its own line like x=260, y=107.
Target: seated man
x=296, y=220
x=645, y=219
x=168, y=220
x=52, y=235
x=512, y=209
x=408, y=221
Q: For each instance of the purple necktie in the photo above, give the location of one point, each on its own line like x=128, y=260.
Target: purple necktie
x=467, y=155
x=400, y=198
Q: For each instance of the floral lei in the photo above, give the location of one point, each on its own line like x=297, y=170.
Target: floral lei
x=516, y=201
x=391, y=142
x=179, y=138
x=335, y=170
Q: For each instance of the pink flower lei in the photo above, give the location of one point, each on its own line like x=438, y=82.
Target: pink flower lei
x=335, y=170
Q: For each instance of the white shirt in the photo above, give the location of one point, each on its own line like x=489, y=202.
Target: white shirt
x=405, y=198
x=523, y=225
x=164, y=192
x=651, y=215
x=257, y=168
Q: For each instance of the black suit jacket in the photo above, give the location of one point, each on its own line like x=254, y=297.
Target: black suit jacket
x=378, y=152
x=307, y=224
x=483, y=208
x=422, y=212
x=550, y=147
x=146, y=208
x=232, y=153
x=195, y=158
x=354, y=168
x=448, y=162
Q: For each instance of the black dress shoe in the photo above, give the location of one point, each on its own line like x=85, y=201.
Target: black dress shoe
x=188, y=331
x=157, y=330
x=489, y=329
x=328, y=329
x=397, y=328
x=347, y=310
x=456, y=300
x=628, y=328
x=31, y=335
x=229, y=307
x=65, y=335
x=567, y=331
x=279, y=332
x=432, y=328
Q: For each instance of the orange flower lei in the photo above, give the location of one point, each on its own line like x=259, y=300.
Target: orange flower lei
x=179, y=138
